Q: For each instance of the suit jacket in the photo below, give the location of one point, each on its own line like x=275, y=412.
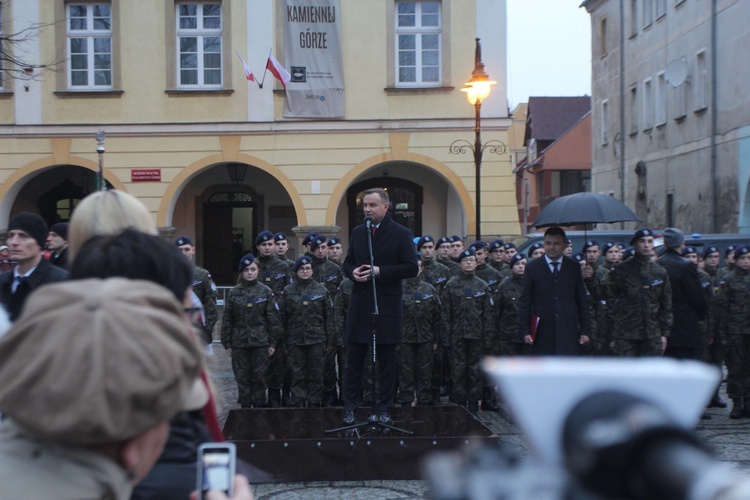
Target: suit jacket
x=393, y=251
x=44, y=273
x=560, y=305
x=688, y=301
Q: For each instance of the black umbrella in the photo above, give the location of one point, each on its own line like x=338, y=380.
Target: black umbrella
x=584, y=208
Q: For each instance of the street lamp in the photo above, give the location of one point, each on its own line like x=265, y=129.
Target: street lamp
x=101, y=184
x=477, y=89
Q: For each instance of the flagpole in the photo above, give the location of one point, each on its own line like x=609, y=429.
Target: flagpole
x=265, y=69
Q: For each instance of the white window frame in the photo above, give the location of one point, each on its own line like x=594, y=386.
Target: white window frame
x=700, y=88
x=648, y=13
x=648, y=104
x=604, y=122
x=633, y=107
x=200, y=33
x=418, y=32
x=90, y=35
x=660, y=99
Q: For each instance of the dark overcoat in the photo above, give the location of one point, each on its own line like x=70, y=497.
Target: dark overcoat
x=43, y=274
x=688, y=301
x=393, y=251
x=560, y=303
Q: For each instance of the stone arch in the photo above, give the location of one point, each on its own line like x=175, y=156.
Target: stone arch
x=166, y=208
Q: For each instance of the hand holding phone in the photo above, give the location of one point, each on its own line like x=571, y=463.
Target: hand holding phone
x=216, y=468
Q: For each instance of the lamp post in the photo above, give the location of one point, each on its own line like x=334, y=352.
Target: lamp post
x=101, y=184
x=477, y=89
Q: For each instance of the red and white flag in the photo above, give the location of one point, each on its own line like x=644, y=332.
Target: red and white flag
x=248, y=73
x=278, y=70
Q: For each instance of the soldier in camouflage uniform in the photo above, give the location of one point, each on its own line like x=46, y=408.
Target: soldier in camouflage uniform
x=592, y=251
x=639, y=300
x=330, y=276
x=307, y=316
x=612, y=253
x=728, y=261
x=715, y=341
x=467, y=323
x=497, y=255
x=275, y=274
x=508, y=341
x=250, y=331
x=437, y=275
x=336, y=251
x=457, y=246
x=536, y=250
x=281, y=243
x=444, y=255
x=422, y=328
x=593, y=291
x=203, y=287
x=736, y=310
x=510, y=251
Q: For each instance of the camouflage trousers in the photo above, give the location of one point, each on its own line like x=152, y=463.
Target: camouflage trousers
x=277, y=370
x=415, y=372
x=510, y=348
x=250, y=367
x=738, y=366
x=636, y=348
x=334, y=371
x=466, y=374
x=306, y=366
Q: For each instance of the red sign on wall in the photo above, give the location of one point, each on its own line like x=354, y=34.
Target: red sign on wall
x=145, y=175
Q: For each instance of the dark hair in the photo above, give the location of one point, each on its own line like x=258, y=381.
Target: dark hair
x=555, y=231
x=134, y=255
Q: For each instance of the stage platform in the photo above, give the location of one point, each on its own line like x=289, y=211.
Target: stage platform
x=291, y=445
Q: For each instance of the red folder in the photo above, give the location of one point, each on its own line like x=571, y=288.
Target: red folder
x=533, y=326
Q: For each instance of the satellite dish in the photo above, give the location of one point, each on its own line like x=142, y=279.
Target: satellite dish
x=676, y=72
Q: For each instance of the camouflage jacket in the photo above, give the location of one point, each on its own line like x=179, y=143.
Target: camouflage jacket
x=468, y=310
x=489, y=275
x=736, y=302
x=306, y=313
x=205, y=289
x=340, y=308
x=421, y=312
x=452, y=266
x=435, y=274
x=497, y=266
x=251, y=317
x=508, y=296
x=639, y=300
x=327, y=274
x=274, y=273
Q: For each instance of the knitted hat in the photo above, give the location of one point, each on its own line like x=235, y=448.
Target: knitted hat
x=32, y=224
x=60, y=229
x=673, y=237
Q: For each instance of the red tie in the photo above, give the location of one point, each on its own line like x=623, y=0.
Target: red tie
x=374, y=229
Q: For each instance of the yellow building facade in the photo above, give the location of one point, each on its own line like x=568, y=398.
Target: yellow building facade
x=129, y=68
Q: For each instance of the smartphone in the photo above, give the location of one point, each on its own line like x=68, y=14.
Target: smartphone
x=216, y=468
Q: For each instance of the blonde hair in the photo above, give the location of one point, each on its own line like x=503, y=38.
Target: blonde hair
x=107, y=213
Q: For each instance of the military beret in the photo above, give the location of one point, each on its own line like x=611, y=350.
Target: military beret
x=302, y=261
x=608, y=246
x=729, y=250
x=709, y=250
x=317, y=241
x=627, y=253
x=536, y=246
x=424, y=239
x=246, y=260
x=477, y=245
x=279, y=237
x=689, y=249
x=496, y=244
x=641, y=233
x=469, y=252
x=516, y=259
x=621, y=245
x=456, y=238
x=308, y=238
x=443, y=241
x=334, y=241
x=509, y=245
x=568, y=241
x=183, y=240
x=579, y=257
x=263, y=236
x=740, y=251
x=589, y=244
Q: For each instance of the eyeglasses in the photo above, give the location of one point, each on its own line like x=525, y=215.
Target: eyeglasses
x=194, y=314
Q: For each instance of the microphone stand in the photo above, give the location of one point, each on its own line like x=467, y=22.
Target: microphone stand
x=373, y=419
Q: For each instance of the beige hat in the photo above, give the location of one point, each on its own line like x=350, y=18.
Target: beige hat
x=99, y=361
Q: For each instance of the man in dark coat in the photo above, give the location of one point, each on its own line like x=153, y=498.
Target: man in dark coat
x=394, y=261
x=553, y=291
x=27, y=235
x=689, y=306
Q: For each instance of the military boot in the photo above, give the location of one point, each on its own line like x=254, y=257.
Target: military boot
x=274, y=398
x=736, y=409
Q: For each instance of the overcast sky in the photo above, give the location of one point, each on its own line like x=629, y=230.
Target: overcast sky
x=549, y=49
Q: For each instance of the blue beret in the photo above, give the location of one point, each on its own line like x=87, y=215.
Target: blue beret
x=709, y=250
x=183, y=240
x=469, y=252
x=456, y=238
x=535, y=246
x=509, y=245
x=579, y=257
x=279, y=237
x=608, y=246
x=334, y=241
x=477, y=245
x=729, y=250
x=309, y=238
x=263, y=236
x=496, y=244
x=302, y=261
x=317, y=241
x=246, y=260
x=689, y=249
x=424, y=239
x=740, y=251
x=641, y=233
x=627, y=253
x=517, y=258
x=443, y=241
x=590, y=243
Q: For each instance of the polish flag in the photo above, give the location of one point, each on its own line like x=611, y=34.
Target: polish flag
x=248, y=73
x=278, y=70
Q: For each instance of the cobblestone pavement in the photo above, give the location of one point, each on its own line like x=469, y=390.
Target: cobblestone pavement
x=729, y=439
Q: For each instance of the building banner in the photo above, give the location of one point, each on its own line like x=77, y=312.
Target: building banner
x=312, y=53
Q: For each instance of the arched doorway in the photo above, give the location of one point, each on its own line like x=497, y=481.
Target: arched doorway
x=405, y=201
x=230, y=221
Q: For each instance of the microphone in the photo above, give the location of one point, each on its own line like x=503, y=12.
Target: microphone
x=368, y=222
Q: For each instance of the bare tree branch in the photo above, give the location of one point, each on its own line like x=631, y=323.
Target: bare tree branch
x=15, y=61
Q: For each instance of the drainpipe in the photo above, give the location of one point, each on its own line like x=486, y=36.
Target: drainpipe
x=622, y=101
x=714, y=218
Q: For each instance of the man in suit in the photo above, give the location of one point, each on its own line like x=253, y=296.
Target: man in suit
x=394, y=261
x=553, y=291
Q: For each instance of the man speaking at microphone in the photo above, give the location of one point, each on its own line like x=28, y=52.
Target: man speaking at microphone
x=394, y=260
